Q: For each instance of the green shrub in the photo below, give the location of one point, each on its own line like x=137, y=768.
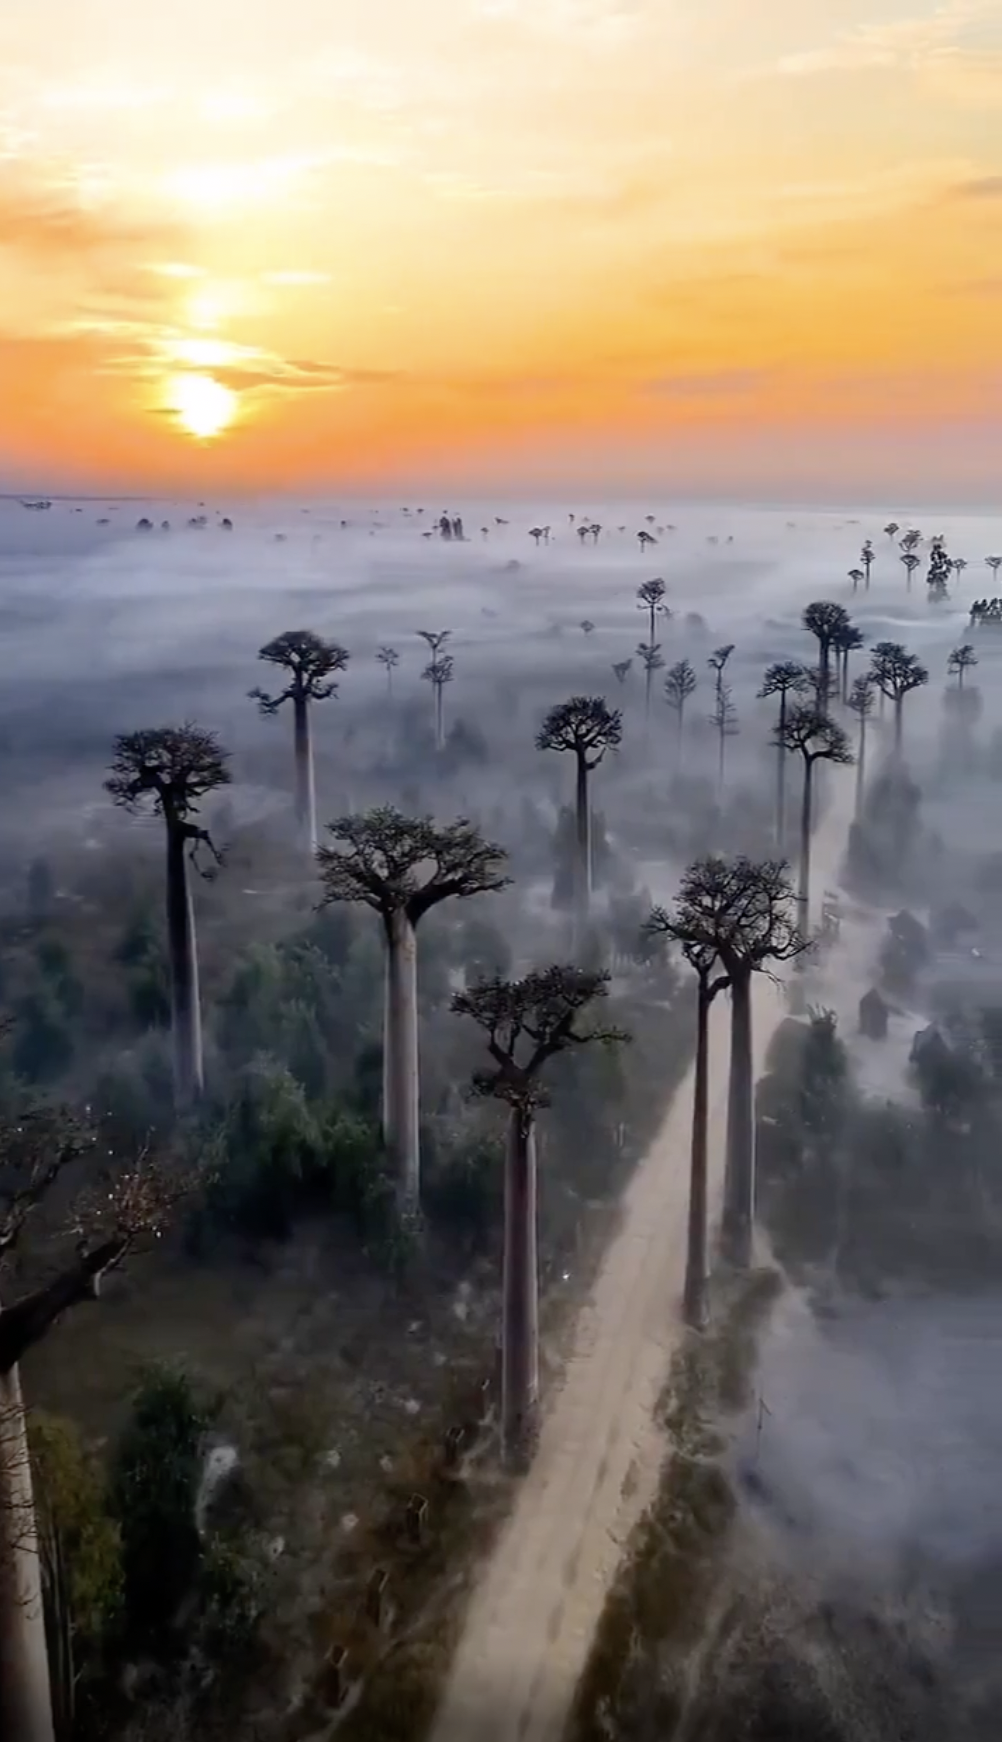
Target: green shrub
x=72, y=1500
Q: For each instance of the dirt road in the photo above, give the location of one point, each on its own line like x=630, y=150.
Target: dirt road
x=531, y=1620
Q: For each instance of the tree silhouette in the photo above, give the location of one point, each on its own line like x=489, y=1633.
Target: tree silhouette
x=585, y=727
x=786, y=678
x=124, y=1205
x=527, y=1022
x=847, y=640
x=438, y=672
x=402, y=867
x=866, y=558
x=860, y=702
x=818, y=739
x=724, y=721
x=717, y=663
x=621, y=669
x=389, y=658
x=855, y=576
x=994, y=563
x=960, y=661
x=826, y=621
x=172, y=768
x=680, y=684
x=891, y=528
x=910, y=563
x=644, y=538
x=310, y=665
x=650, y=597
x=896, y=672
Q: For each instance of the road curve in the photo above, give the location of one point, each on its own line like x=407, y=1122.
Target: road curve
x=533, y=1615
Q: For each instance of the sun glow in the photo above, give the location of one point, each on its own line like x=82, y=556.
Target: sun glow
x=202, y=406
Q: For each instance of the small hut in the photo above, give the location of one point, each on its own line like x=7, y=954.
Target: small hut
x=873, y=1015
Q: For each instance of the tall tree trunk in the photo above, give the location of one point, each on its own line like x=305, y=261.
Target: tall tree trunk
x=520, y=1331
x=678, y=737
x=781, y=777
x=721, y=753
x=739, y=1203
x=439, y=716
x=387, y=1107
x=697, y=1269
x=306, y=802
x=648, y=680
x=25, y=1694
x=860, y=766
x=401, y=1132
x=899, y=709
x=804, y=886
x=186, y=1016
x=582, y=857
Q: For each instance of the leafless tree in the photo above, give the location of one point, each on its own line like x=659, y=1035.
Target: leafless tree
x=310, y=665
x=680, y=684
x=402, y=867
x=896, y=672
x=389, y=658
x=786, y=678
x=584, y=727
x=818, y=739
x=724, y=721
x=527, y=1022
x=717, y=663
x=172, y=768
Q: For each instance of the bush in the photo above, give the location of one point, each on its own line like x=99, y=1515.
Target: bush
x=154, y=1487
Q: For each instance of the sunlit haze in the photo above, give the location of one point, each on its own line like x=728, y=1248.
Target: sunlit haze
x=503, y=244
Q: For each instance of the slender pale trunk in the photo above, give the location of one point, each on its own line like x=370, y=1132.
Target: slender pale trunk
x=648, y=680
x=678, y=736
x=720, y=763
x=306, y=802
x=697, y=1269
x=582, y=856
x=899, y=709
x=400, y=1125
x=804, y=886
x=739, y=1200
x=781, y=776
x=25, y=1693
x=186, y=1017
x=439, y=716
x=860, y=766
x=520, y=1330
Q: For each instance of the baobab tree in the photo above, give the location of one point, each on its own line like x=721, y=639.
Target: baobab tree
x=38, y=1149
x=438, y=672
x=866, y=558
x=622, y=669
x=891, y=528
x=680, y=683
x=912, y=539
x=389, y=658
x=527, y=1022
x=650, y=598
x=860, y=703
x=910, y=563
x=786, y=678
x=310, y=665
x=717, y=663
x=585, y=727
x=809, y=730
x=173, y=768
x=436, y=639
x=855, y=576
x=994, y=563
x=724, y=720
x=960, y=661
x=826, y=621
x=896, y=672
x=847, y=640
x=959, y=564
x=402, y=867
x=644, y=538
x=652, y=660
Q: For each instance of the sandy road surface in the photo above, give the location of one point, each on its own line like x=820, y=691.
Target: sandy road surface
x=531, y=1620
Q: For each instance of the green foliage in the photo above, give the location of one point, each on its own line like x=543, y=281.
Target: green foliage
x=463, y=1183
x=154, y=1487
x=72, y=1500
x=43, y=1045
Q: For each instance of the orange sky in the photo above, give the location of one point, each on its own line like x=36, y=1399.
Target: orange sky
x=502, y=242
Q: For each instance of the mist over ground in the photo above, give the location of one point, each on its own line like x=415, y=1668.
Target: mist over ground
x=873, y=1481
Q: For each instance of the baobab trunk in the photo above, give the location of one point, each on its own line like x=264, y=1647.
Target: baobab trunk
x=899, y=711
x=520, y=1330
x=186, y=1017
x=582, y=859
x=860, y=766
x=781, y=776
x=697, y=1269
x=439, y=716
x=306, y=803
x=25, y=1694
x=739, y=1197
x=804, y=885
x=400, y=1126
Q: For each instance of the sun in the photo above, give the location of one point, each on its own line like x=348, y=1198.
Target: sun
x=202, y=405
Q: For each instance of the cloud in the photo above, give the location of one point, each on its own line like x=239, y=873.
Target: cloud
x=981, y=187
x=706, y=384
x=42, y=225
